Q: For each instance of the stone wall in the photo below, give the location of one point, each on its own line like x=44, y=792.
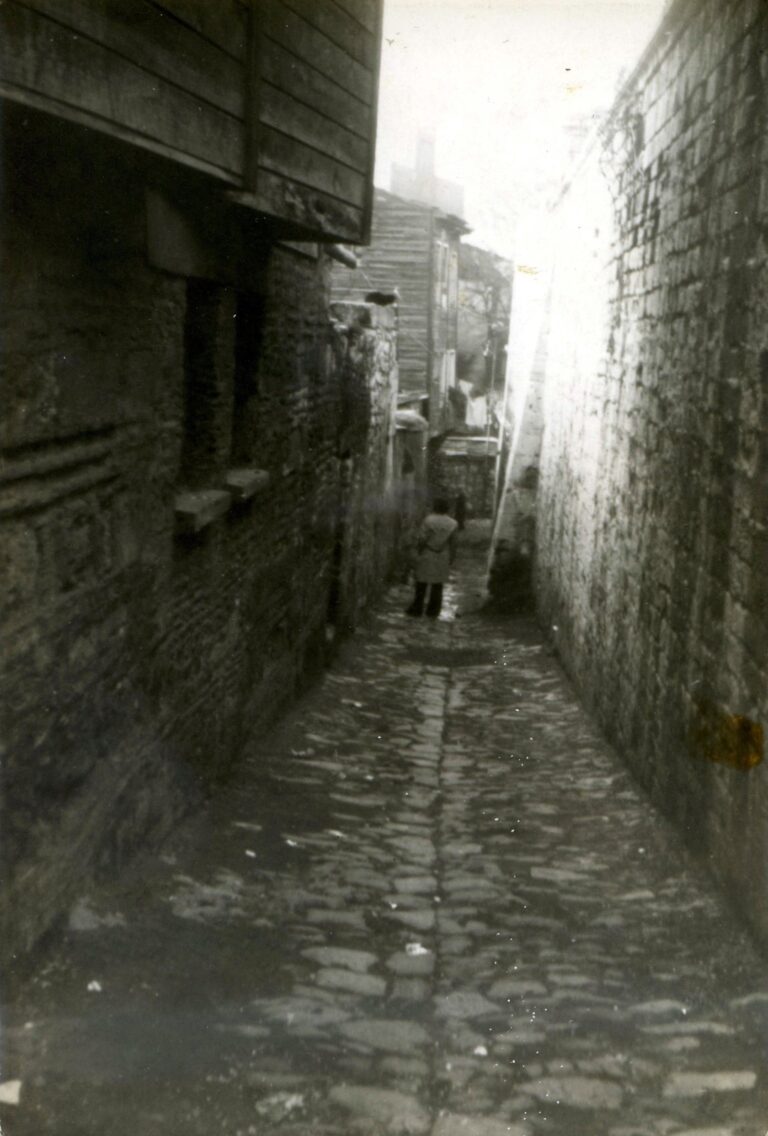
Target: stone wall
x=144, y=642
x=652, y=538
x=369, y=521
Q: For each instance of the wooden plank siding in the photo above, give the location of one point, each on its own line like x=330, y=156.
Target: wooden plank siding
x=283, y=154
x=340, y=28
x=221, y=22
x=368, y=208
x=285, y=71
x=146, y=36
x=298, y=121
x=42, y=56
x=294, y=33
x=366, y=12
x=275, y=97
x=399, y=256
x=413, y=247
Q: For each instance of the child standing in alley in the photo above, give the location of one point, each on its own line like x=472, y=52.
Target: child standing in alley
x=435, y=554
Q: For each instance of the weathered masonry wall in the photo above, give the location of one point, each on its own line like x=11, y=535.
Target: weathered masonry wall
x=414, y=250
x=368, y=522
x=652, y=537
x=172, y=479
x=399, y=256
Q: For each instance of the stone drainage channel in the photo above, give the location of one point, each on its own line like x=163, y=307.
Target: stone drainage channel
x=433, y=902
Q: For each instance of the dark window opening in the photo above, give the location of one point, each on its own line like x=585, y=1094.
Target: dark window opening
x=249, y=334
x=204, y=396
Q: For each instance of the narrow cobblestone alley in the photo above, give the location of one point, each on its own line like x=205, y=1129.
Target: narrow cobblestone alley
x=432, y=903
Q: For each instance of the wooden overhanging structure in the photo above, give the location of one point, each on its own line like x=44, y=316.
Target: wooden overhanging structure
x=274, y=101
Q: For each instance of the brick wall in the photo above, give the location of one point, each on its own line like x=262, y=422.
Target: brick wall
x=652, y=535
x=139, y=659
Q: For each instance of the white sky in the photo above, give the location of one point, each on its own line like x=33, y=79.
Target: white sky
x=495, y=81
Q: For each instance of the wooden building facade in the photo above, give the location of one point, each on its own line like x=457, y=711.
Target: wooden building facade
x=275, y=100
x=414, y=251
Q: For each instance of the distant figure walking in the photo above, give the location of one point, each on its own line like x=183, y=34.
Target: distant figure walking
x=435, y=554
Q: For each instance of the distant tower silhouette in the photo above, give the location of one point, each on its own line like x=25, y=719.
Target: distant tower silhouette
x=420, y=183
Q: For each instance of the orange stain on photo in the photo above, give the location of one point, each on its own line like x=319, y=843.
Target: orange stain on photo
x=726, y=739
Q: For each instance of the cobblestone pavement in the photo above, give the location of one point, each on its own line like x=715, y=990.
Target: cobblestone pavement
x=433, y=903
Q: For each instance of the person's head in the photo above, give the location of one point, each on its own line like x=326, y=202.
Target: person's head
x=440, y=505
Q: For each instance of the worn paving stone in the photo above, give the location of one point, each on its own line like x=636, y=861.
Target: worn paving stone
x=697, y=1084
x=359, y=961
x=409, y=963
x=516, y=987
x=334, y=978
x=518, y=1038
x=420, y=849
x=297, y=1010
x=698, y=1132
x=714, y=1029
x=457, y=1125
x=457, y=913
x=392, y=1036
x=577, y=1092
x=416, y=885
x=384, y=1110
x=464, y=1004
x=411, y=989
x=341, y=918
x=423, y=920
x=406, y=1068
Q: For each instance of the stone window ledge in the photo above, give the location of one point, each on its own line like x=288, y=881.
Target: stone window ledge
x=243, y=484
x=195, y=511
